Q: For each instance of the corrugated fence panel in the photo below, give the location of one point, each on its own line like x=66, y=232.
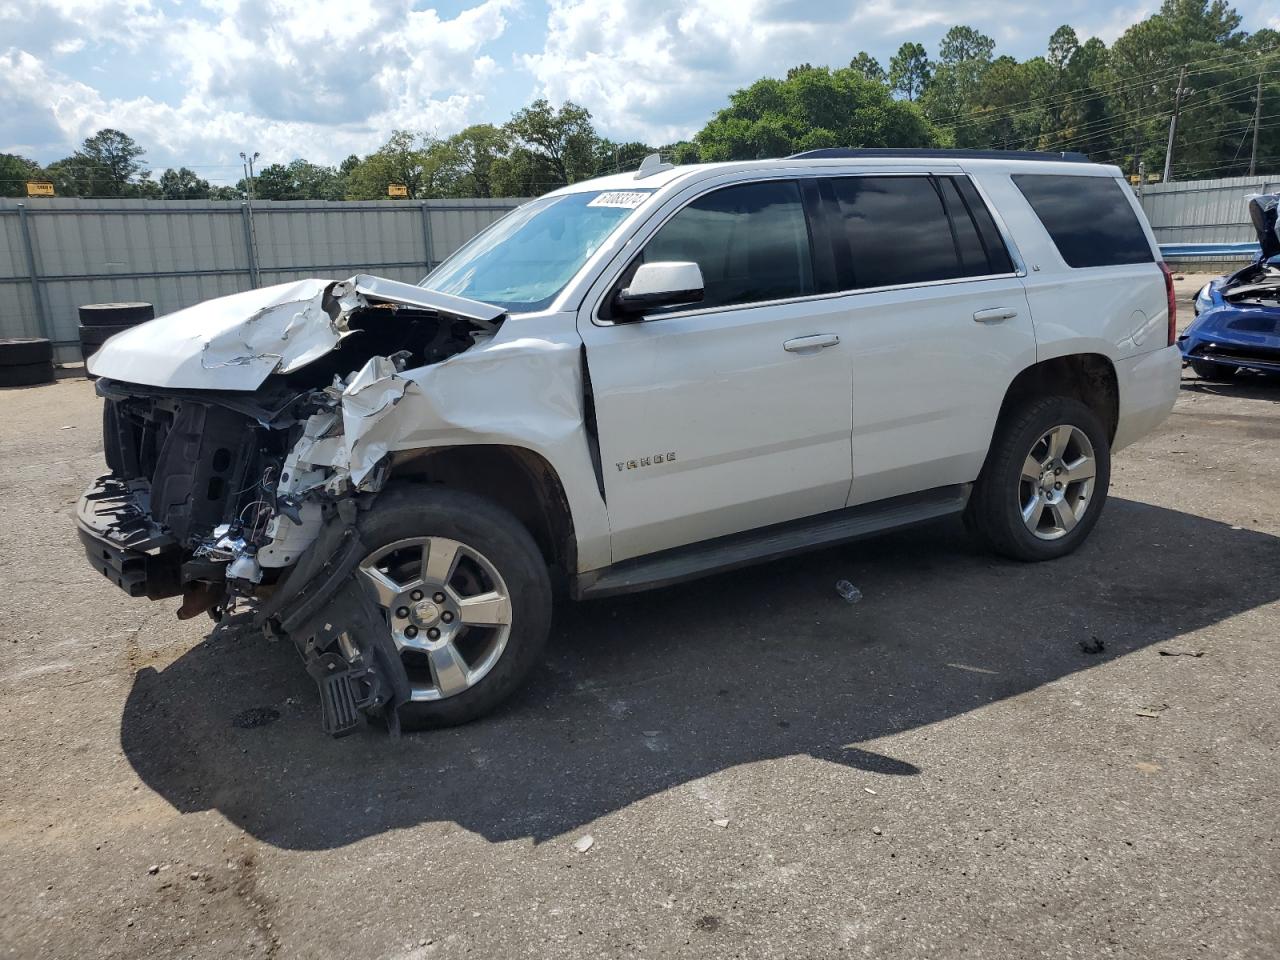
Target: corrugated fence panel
x=174, y=253
x=1204, y=211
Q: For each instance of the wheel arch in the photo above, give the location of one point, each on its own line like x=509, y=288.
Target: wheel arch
x=1088, y=377
x=516, y=478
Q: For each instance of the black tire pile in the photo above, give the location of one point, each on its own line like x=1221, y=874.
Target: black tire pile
x=25, y=361
x=99, y=322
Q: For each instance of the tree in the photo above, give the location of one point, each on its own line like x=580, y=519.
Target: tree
x=297, y=180
x=15, y=171
x=116, y=161
x=183, y=184
x=476, y=149
x=815, y=108
x=399, y=160
x=613, y=157
x=563, y=139
x=963, y=57
x=868, y=67
x=1062, y=47
x=910, y=70
x=961, y=44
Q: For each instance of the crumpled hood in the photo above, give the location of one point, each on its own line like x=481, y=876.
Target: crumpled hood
x=236, y=342
x=1263, y=210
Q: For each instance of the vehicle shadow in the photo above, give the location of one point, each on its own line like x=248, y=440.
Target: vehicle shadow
x=1247, y=386
x=641, y=694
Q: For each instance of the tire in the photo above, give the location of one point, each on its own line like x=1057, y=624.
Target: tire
x=96, y=336
x=995, y=511
x=26, y=374
x=427, y=511
x=1219, y=372
x=20, y=351
x=115, y=314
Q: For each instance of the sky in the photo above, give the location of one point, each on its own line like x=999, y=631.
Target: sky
x=197, y=81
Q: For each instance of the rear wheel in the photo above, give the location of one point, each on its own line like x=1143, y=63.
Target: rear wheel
x=1044, y=483
x=465, y=595
x=1208, y=370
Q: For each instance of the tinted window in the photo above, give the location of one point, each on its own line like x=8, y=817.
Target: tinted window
x=1089, y=219
x=997, y=253
x=751, y=242
x=897, y=230
x=973, y=255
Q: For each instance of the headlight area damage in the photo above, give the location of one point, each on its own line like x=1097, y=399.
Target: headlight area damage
x=241, y=452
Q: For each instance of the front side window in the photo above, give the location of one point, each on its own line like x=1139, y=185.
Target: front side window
x=1089, y=219
x=525, y=259
x=751, y=242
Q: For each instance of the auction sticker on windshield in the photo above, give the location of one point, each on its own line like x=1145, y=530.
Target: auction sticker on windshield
x=626, y=199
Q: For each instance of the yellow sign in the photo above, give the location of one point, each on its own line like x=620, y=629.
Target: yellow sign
x=397, y=190
x=39, y=188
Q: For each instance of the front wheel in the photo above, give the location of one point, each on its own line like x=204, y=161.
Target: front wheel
x=1219, y=372
x=1044, y=483
x=465, y=595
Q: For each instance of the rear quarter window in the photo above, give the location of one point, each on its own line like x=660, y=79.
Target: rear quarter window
x=1089, y=219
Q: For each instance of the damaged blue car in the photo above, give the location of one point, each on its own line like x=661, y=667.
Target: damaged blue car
x=1237, y=324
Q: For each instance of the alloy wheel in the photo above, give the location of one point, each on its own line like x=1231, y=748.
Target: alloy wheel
x=1056, y=486
x=448, y=610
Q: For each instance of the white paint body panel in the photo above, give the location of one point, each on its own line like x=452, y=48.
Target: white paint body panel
x=760, y=434
x=928, y=381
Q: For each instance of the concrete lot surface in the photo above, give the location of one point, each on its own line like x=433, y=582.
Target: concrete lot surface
x=938, y=771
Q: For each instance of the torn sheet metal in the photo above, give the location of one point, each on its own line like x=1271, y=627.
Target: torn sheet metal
x=236, y=342
x=367, y=400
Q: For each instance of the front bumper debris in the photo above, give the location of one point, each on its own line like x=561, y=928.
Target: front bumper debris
x=123, y=543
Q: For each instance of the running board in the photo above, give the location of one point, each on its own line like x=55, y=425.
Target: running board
x=771, y=543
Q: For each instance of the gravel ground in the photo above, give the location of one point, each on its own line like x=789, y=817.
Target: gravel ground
x=940, y=770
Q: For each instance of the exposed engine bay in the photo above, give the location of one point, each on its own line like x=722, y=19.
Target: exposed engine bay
x=219, y=495
x=1258, y=284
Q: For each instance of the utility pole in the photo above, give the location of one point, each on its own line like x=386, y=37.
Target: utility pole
x=1173, y=122
x=1257, y=118
x=246, y=163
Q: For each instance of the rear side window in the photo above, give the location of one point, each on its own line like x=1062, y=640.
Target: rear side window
x=904, y=230
x=897, y=231
x=751, y=242
x=1089, y=219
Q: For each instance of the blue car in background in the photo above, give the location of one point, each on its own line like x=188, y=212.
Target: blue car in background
x=1237, y=324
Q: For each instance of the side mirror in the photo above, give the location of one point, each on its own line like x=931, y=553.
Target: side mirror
x=665, y=284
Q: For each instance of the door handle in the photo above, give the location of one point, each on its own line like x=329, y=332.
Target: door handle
x=811, y=343
x=994, y=314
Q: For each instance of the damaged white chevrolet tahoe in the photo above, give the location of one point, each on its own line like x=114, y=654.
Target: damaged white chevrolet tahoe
x=625, y=383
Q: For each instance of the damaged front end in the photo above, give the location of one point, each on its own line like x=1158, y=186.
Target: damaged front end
x=242, y=451
x=1237, y=324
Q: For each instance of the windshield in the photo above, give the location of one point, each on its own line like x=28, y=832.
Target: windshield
x=526, y=258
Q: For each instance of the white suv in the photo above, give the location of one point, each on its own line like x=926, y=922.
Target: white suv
x=629, y=382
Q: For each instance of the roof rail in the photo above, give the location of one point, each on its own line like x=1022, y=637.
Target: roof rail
x=925, y=153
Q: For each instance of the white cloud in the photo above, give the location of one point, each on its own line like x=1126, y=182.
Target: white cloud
x=657, y=69
x=285, y=77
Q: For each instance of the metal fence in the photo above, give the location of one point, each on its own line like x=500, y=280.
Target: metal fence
x=57, y=254
x=1205, y=211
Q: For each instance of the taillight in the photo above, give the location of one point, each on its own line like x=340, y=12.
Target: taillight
x=1173, y=302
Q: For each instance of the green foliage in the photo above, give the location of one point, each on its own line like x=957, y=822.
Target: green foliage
x=868, y=67
x=815, y=107
x=15, y=171
x=560, y=143
x=297, y=180
x=183, y=184
x=910, y=70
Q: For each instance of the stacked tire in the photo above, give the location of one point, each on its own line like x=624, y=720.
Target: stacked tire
x=25, y=361
x=99, y=322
